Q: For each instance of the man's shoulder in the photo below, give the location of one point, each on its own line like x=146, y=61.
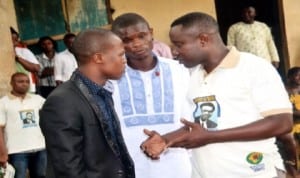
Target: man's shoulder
x=4, y=98
x=168, y=61
x=173, y=64
x=62, y=56
x=250, y=59
x=237, y=24
x=261, y=24
x=34, y=96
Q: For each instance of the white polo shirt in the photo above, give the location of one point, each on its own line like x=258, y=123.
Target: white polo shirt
x=21, y=121
x=242, y=89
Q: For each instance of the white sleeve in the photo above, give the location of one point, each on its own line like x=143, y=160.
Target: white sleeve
x=26, y=54
x=58, y=67
x=268, y=92
x=2, y=113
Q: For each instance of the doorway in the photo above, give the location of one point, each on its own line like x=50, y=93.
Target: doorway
x=268, y=11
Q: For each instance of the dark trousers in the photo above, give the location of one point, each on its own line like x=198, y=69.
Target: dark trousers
x=44, y=91
x=35, y=162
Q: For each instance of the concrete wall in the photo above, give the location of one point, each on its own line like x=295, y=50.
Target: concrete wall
x=292, y=26
x=160, y=14
x=7, y=67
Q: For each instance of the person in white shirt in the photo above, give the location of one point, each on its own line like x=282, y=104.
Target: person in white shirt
x=22, y=143
x=150, y=94
x=65, y=62
x=250, y=110
x=26, y=62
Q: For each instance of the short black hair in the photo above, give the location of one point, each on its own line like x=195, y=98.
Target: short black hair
x=90, y=41
x=203, y=21
x=69, y=35
x=126, y=20
x=16, y=74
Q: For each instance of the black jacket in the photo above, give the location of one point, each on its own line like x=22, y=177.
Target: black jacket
x=78, y=142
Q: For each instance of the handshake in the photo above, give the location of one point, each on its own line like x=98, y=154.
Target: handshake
x=191, y=135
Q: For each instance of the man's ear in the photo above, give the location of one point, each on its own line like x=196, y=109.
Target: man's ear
x=203, y=38
x=98, y=58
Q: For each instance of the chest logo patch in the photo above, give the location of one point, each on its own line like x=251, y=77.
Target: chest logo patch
x=207, y=112
x=254, y=158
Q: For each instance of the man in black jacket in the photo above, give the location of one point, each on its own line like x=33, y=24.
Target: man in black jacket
x=81, y=128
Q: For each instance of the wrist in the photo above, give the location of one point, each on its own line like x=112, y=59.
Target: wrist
x=165, y=139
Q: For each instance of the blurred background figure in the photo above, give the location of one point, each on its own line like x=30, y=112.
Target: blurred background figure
x=253, y=36
x=46, y=82
x=26, y=62
x=22, y=143
x=293, y=89
x=65, y=62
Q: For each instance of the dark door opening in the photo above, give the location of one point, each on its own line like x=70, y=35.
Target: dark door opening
x=268, y=11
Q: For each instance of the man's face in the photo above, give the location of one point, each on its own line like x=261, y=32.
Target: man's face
x=206, y=112
x=29, y=115
x=248, y=15
x=69, y=41
x=114, y=59
x=20, y=84
x=47, y=45
x=138, y=40
x=186, y=45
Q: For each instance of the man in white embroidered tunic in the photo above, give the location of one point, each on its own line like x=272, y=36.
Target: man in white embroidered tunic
x=150, y=94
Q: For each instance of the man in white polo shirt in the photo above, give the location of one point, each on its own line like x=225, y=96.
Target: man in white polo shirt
x=251, y=106
x=22, y=143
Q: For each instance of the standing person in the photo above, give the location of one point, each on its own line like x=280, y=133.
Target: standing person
x=251, y=109
x=46, y=83
x=26, y=62
x=293, y=89
x=65, y=62
x=21, y=141
x=253, y=36
x=150, y=94
x=81, y=128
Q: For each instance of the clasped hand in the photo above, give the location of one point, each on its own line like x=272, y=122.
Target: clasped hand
x=191, y=135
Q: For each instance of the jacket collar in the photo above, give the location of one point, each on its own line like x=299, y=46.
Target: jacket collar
x=104, y=125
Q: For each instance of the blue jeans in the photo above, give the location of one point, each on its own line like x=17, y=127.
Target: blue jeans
x=35, y=162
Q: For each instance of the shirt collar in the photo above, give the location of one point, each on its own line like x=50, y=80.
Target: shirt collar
x=231, y=59
x=44, y=56
x=93, y=87
x=12, y=97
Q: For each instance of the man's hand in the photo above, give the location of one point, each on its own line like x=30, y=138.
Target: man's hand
x=191, y=135
x=195, y=136
x=154, y=145
x=3, y=158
